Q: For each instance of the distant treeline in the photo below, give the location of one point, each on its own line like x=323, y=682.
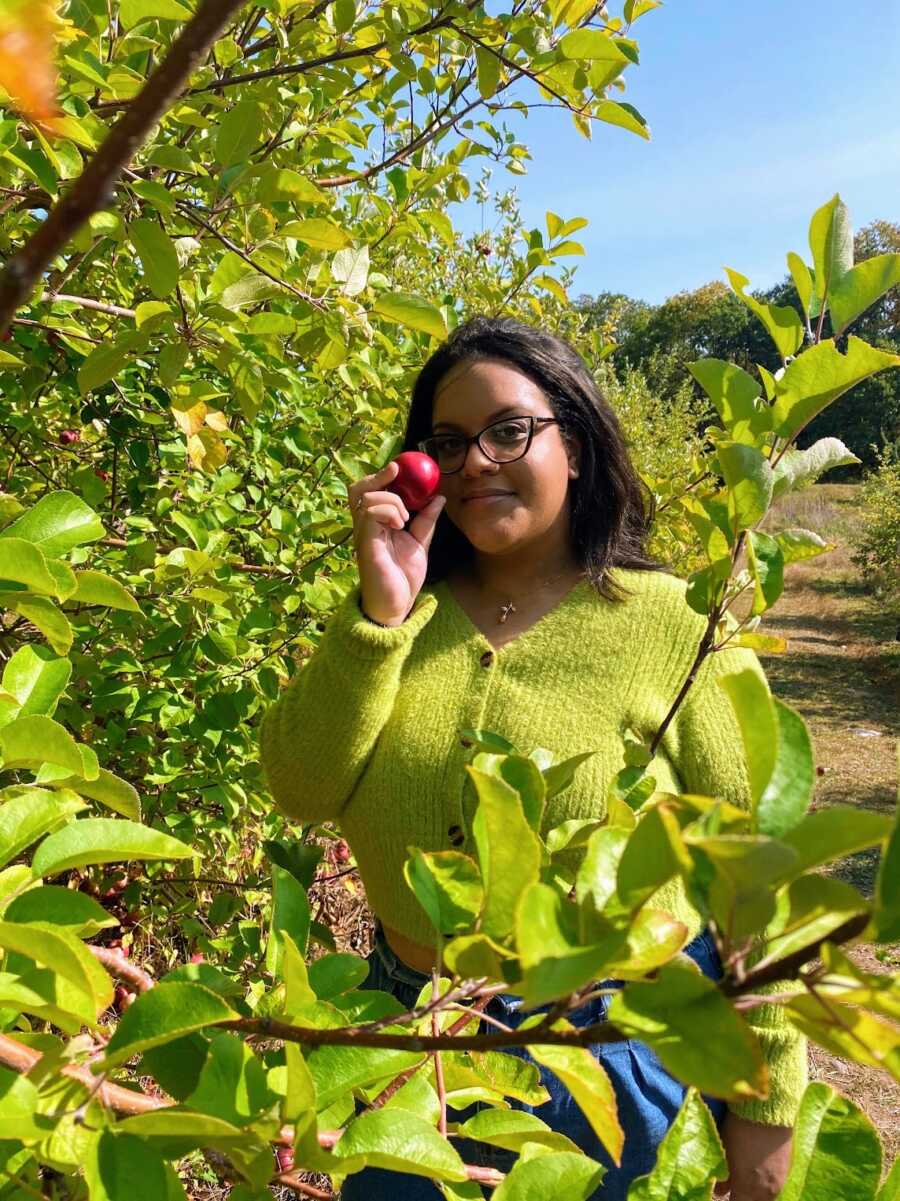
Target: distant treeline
x=660, y=340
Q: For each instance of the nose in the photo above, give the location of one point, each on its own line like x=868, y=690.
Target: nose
x=476, y=461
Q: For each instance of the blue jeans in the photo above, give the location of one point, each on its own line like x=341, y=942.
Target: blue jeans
x=648, y=1097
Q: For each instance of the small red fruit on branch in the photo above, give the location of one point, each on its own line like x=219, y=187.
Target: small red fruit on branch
x=285, y=1157
x=123, y=998
x=67, y=437
x=197, y=957
x=417, y=480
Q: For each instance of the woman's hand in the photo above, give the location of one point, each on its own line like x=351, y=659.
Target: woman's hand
x=391, y=559
x=758, y=1159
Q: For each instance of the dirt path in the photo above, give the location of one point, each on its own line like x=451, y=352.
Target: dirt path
x=842, y=673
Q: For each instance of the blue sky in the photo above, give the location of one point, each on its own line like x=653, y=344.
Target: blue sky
x=759, y=113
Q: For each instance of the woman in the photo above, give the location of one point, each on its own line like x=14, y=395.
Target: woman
x=530, y=609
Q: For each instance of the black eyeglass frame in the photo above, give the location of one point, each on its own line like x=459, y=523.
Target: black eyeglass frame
x=533, y=421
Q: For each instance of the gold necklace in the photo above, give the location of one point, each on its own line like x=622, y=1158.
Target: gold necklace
x=508, y=607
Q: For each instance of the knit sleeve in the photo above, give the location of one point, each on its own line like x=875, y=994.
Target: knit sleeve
x=709, y=754
x=316, y=739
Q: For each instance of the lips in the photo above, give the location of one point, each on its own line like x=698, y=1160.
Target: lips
x=494, y=493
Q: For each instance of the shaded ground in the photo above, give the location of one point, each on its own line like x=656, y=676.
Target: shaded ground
x=842, y=673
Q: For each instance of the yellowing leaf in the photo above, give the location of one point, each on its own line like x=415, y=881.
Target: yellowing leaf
x=206, y=450
x=27, y=71
x=317, y=232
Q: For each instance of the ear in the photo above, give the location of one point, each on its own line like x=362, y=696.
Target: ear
x=573, y=453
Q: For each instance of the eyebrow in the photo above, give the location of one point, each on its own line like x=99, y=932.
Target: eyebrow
x=493, y=417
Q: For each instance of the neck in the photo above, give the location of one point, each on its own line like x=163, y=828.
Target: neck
x=515, y=575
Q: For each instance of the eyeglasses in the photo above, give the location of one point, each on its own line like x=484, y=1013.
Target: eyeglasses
x=502, y=441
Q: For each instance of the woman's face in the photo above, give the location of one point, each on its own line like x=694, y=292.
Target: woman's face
x=533, y=510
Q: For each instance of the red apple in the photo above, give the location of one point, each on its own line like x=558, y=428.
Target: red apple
x=197, y=957
x=417, y=480
x=67, y=437
x=285, y=1157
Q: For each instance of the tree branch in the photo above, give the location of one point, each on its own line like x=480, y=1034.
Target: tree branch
x=92, y=189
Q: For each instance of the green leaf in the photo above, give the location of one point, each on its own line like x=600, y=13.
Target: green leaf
x=399, y=1141
x=797, y=545
x=819, y=376
x=803, y=280
x=556, y=1174
x=509, y=852
x=488, y=68
x=861, y=287
x=789, y=790
x=23, y=563
x=887, y=891
x=19, y=1102
x=511, y=1129
x=798, y=468
x=732, y=391
x=447, y=885
x=119, y=1165
x=411, y=311
x=34, y=740
x=554, y=960
x=615, y=112
x=654, y=854
x=290, y=912
x=335, y=974
x=131, y=12
x=815, y=906
x=44, y=614
x=104, y=840
x=835, y=1154
x=58, y=522
x=63, y=953
x=162, y=1014
x=172, y=358
x=281, y=183
x=95, y=588
x=104, y=363
x=750, y=483
x=239, y=132
x=766, y=564
x=319, y=232
x=690, y=1158
x=59, y=907
x=747, y=868
x=350, y=268
x=833, y=833
x=753, y=706
x=157, y=253
x=112, y=791
x=590, y=1086
x=232, y=1084
x=336, y=1070
x=831, y=243
x=29, y=816
x=781, y=321
x=847, y=1031
x=694, y=1030
x=36, y=679
x=890, y=1189
x=591, y=45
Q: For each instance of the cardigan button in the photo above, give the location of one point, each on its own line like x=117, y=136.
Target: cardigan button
x=456, y=836
x=487, y=659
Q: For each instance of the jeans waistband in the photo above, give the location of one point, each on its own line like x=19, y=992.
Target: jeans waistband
x=396, y=969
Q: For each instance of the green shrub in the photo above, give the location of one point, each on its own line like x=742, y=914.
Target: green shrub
x=877, y=542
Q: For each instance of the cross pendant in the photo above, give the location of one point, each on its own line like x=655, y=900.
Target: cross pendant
x=508, y=608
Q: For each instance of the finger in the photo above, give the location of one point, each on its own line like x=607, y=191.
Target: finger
x=377, y=479
x=424, y=523
x=385, y=515
x=385, y=498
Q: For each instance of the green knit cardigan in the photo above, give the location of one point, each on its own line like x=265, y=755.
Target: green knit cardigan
x=367, y=735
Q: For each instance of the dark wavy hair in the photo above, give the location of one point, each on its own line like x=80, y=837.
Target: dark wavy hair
x=611, y=509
